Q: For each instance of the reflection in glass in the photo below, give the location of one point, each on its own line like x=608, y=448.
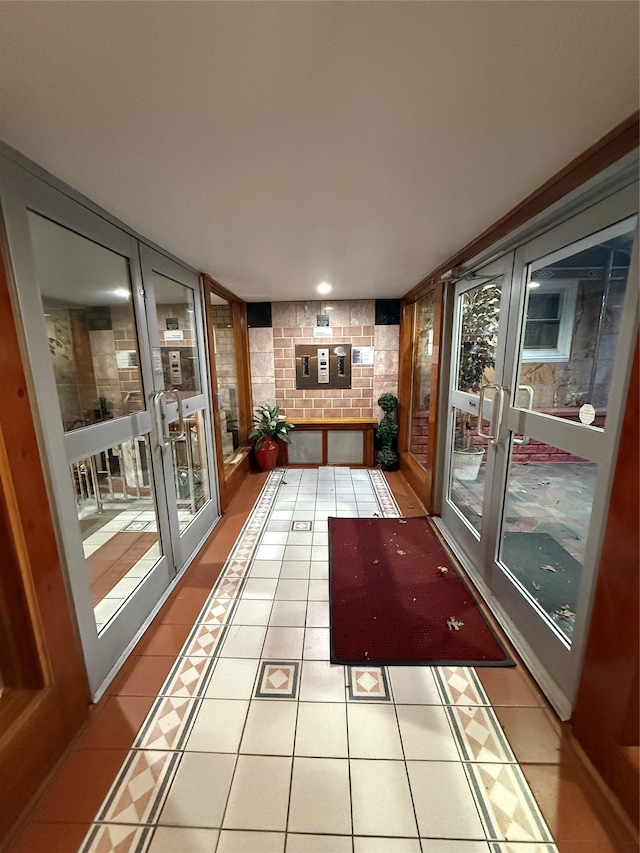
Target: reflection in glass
x=86, y=299
x=423, y=367
x=190, y=468
x=178, y=340
x=545, y=524
x=572, y=321
x=479, y=319
x=468, y=463
x=226, y=373
x=117, y=518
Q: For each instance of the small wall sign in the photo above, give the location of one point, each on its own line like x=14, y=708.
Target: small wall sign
x=172, y=323
x=362, y=355
x=322, y=319
x=126, y=359
x=174, y=335
x=322, y=332
x=587, y=414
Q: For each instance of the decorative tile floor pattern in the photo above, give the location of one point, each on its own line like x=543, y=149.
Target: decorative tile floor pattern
x=257, y=743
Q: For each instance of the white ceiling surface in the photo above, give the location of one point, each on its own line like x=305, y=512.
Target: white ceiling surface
x=277, y=144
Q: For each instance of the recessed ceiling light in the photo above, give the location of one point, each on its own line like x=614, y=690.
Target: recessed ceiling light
x=122, y=292
x=534, y=284
x=324, y=287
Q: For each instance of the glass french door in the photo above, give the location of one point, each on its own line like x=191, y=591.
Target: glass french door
x=541, y=352
x=113, y=332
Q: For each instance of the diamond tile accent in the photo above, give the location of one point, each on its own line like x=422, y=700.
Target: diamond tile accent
x=384, y=496
x=368, y=682
x=204, y=641
x=167, y=724
x=506, y=847
x=217, y=611
x=136, y=526
x=302, y=525
x=277, y=680
x=135, y=793
x=480, y=738
x=228, y=587
x=508, y=810
x=115, y=838
x=458, y=685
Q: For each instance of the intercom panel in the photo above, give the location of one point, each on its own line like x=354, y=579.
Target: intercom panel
x=323, y=367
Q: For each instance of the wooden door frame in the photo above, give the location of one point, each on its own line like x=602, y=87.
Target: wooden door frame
x=230, y=479
x=420, y=477
x=46, y=695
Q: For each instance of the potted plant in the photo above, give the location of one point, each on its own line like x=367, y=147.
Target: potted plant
x=477, y=355
x=387, y=432
x=269, y=426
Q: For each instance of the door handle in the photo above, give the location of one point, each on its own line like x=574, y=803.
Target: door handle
x=530, y=392
x=165, y=438
x=493, y=438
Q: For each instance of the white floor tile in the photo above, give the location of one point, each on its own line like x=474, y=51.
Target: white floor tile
x=297, y=552
x=318, y=843
x=243, y=641
x=259, y=793
x=283, y=643
x=373, y=731
x=265, y=569
x=292, y=590
x=236, y=841
x=263, y=588
x=288, y=613
x=435, y=786
x=322, y=682
x=321, y=730
x=320, y=797
x=318, y=590
x=319, y=570
x=295, y=569
x=413, y=685
x=316, y=643
x=270, y=728
x=318, y=614
x=233, y=678
x=270, y=552
x=439, y=845
x=300, y=537
x=381, y=800
x=362, y=844
x=218, y=726
x=252, y=612
x=274, y=538
x=426, y=734
x=199, y=790
x=181, y=839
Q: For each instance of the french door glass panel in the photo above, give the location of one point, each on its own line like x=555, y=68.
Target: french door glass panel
x=547, y=510
x=184, y=445
x=529, y=523
x=96, y=359
x=87, y=305
x=572, y=320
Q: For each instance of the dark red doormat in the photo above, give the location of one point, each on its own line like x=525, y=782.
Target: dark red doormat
x=392, y=602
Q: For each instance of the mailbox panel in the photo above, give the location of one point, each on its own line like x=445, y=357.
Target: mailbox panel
x=323, y=366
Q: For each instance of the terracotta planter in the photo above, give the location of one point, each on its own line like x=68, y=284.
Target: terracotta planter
x=267, y=454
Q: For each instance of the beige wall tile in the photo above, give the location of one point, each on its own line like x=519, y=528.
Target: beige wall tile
x=387, y=337
x=283, y=314
x=362, y=312
x=260, y=340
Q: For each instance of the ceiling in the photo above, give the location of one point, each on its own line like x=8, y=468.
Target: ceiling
x=274, y=145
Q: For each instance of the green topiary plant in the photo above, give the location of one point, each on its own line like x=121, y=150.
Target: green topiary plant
x=269, y=423
x=387, y=432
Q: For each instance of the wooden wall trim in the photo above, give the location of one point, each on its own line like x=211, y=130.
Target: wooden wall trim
x=608, y=690
x=620, y=141
x=41, y=712
x=421, y=478
x=229, y=479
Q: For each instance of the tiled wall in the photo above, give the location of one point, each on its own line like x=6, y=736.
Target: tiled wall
x=353, y=322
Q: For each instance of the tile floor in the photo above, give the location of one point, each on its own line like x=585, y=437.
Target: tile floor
x=229, y=730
